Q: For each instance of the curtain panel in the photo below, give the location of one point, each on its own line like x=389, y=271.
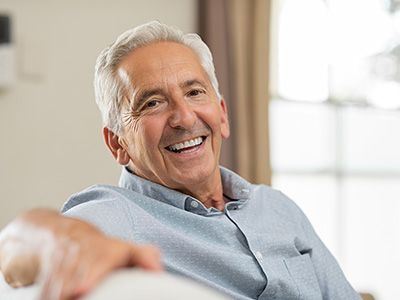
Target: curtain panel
x=237, y=32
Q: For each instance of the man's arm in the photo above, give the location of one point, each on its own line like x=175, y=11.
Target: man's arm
x=66, y=256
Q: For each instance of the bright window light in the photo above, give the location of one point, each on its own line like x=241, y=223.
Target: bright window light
x=334, y=127
x=303, y=49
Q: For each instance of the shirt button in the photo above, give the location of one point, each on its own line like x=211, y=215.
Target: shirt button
x=194, y=204
x=259, y=255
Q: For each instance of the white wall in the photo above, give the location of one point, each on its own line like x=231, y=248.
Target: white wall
x=50, y=143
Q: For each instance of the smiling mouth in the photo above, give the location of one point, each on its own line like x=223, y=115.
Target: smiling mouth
x=187, y=146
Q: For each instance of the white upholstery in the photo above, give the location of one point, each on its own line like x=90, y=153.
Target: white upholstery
x=9, y=293
x=129, y=284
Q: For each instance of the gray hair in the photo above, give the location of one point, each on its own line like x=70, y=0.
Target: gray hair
x=110, y=88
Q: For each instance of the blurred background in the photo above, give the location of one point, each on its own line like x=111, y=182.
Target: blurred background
x=313, y=92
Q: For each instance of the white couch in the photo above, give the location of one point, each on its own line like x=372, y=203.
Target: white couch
x=128, y=284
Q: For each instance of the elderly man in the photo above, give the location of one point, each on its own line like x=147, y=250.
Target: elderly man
x=163, y=121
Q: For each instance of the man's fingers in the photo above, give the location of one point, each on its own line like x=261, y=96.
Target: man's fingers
x=146, y=257
x=119, y=255
x=79, y=270
x=59, y=273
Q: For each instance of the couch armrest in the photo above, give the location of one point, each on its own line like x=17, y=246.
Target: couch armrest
x=127, y=284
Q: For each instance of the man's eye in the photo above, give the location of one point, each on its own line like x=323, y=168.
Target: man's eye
x=151, y=103
x=195, y=93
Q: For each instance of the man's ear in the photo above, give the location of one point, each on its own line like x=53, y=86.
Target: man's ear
x=114, y=143
x=225, y=131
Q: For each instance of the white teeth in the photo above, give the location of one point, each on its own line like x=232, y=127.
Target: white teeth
x=186, y=144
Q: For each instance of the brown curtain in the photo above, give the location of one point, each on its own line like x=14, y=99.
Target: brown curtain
x=237, y=32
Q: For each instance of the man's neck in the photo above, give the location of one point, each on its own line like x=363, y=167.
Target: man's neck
x=210, y=194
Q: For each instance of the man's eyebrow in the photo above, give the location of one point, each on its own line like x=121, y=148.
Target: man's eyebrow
x=192, y=82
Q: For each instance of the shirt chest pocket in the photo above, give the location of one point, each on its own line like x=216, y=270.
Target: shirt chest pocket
x=302, y=272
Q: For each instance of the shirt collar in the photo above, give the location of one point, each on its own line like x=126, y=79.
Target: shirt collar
x=235, y=189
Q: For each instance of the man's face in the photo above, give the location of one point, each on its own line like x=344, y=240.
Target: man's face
x=173, y=122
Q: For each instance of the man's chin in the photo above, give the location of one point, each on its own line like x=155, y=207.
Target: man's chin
x=191, y=176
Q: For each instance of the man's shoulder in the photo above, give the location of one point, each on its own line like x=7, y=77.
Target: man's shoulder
x=104, y=206
x=276, y=201
x=97, y=192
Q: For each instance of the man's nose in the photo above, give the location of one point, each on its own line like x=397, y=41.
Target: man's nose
x=182, y=115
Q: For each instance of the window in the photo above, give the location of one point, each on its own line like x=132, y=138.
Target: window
x=335, y=125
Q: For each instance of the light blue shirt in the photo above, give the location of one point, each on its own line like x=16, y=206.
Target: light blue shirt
x=260, y=247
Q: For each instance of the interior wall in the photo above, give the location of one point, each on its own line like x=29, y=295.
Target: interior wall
x=51, y=144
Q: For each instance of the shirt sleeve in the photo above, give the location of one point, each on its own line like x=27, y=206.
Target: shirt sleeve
x=103, y=207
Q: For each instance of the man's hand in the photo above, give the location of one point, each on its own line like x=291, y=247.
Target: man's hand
x=66, y=257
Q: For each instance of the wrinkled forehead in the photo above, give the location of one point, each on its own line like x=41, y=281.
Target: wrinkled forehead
x=160, y=63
